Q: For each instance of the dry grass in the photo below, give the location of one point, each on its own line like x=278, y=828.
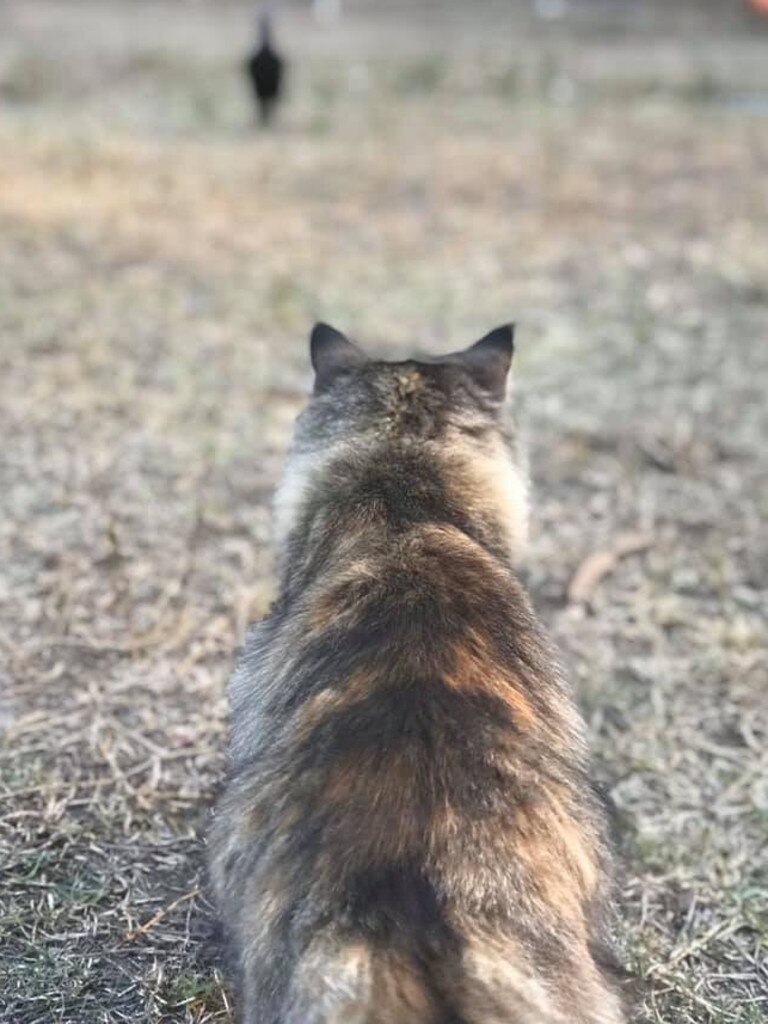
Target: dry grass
x=159, y=268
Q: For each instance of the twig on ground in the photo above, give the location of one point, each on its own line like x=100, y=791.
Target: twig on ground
x=156, y=918
x=599, y=564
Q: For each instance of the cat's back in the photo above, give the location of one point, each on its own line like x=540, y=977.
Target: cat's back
x=420, y=779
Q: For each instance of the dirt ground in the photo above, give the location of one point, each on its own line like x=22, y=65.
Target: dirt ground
x=601, y=178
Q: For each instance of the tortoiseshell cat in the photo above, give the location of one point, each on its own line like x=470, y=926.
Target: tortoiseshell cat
x=408, y=833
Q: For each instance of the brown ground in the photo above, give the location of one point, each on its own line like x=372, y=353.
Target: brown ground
x=434, y=174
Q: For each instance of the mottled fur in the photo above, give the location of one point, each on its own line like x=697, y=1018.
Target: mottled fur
x=408, y=834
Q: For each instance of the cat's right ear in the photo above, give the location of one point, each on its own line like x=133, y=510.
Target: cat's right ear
x=488, y=361
x=332, y=353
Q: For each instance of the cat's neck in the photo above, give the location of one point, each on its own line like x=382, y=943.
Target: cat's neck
x=360, y=506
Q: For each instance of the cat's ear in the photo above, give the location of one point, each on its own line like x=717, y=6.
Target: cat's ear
x=332, y=354
x=488, y=361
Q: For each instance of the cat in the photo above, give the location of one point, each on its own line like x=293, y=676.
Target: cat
x=408, y=833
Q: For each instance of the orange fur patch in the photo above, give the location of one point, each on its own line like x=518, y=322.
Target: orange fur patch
x=474, y=668
x=330, y=700
x=381, y=785
x=376, y=803
x=560, y=859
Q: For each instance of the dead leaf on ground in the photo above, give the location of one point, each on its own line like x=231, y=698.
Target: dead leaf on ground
x=600, y=564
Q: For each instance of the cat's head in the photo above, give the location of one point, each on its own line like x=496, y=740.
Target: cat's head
x=454, y=409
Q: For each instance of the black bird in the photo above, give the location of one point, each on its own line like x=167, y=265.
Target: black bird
x=265, y=69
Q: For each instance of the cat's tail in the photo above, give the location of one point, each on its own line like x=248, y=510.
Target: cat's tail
x=355, y=983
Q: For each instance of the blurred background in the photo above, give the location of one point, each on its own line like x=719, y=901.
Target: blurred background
x=596, y=170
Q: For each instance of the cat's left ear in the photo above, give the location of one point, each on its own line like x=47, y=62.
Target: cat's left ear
x=332, y=353
x=488, y=361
